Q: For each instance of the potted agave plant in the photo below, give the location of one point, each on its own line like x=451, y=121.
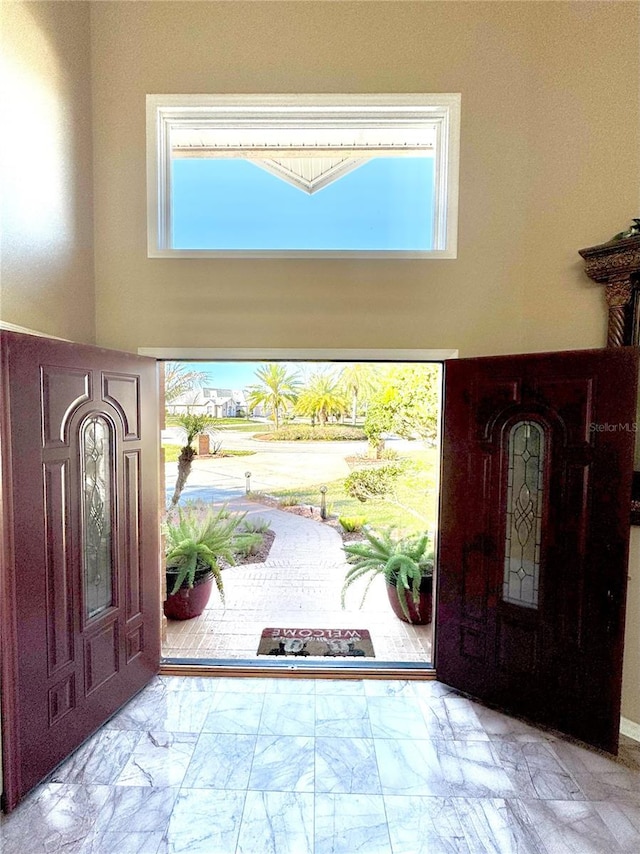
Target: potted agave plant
x=407, y=566
x=196, y=539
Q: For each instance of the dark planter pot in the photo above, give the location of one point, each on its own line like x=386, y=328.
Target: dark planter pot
x=188, y=602
x=419, y=615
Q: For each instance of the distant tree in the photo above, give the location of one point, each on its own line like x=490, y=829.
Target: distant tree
x=180, y=378
x=276, y=389
x=359, y=381
x=415, y=401
x=407, y=404
x=322, y=398
x=377, y=422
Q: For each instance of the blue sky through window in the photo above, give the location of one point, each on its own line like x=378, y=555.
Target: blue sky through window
x=232, y=204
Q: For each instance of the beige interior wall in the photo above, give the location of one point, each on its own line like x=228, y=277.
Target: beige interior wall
x=549, y=164
x=46, y=155
x=584, y=183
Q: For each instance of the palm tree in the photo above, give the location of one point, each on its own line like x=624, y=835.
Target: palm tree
x=359, y=380
x=193, y=426
x=277, y=388
x=322, y=397
x=180, y=378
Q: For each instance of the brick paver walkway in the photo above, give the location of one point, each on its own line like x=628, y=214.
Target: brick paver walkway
x=297, y=587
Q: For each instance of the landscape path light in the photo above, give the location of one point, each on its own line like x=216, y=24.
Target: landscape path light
x=323, y=502
x=247, y=484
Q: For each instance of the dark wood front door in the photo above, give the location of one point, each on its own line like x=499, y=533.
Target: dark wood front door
x=80, y=578
x=534, y=531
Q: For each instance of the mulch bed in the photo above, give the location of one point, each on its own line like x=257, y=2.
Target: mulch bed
x=263, y=552
x=259, y=557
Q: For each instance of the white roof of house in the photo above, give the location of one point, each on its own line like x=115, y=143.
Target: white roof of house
x=208, y=395
x=222, y=394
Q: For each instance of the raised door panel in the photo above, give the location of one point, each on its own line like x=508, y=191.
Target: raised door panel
x=59, y=567
x=131, y=535
x=63, y=390
x=123, y=392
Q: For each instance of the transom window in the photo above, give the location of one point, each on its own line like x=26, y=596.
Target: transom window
x=309, y=175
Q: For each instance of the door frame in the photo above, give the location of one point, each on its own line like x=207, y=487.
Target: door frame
x=301, y=354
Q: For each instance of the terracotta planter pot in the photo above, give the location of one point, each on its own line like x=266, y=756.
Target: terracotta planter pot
x=419, y=615
x=186, y=602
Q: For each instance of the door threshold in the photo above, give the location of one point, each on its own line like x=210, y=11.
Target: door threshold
x=301, y=669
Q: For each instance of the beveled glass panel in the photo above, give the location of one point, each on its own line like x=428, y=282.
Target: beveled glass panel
x=97, y=466
x=524, y=514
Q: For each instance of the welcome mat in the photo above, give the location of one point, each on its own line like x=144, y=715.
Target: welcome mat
x=330, y=643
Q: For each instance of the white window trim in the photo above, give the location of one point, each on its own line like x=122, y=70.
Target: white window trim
x=165, y=112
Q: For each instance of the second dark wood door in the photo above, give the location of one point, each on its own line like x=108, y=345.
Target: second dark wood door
x=534, y=530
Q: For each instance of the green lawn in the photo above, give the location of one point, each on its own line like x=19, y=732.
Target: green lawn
x=243, y=424
x=416, y=490
x=172, y=452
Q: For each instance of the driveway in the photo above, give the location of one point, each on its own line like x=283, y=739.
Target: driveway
x=273, y=465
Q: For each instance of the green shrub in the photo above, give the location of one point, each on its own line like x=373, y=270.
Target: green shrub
x=366, y=484
x=256, y=526
x=389, y=454
x=289, y=500
x=307, y=433
x=247, y=543
x=352, y=524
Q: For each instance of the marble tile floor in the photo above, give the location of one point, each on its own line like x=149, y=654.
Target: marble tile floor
x=228, y=765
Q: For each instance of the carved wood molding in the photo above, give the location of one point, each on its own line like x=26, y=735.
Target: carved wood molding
x=616, y=265
x=618, y=293
x=614, y=261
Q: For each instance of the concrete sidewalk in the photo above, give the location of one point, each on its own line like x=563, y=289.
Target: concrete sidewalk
x=298, y=586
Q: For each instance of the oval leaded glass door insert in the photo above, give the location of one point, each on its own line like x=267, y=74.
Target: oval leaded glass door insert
x=97, y=462
x=524, y=514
